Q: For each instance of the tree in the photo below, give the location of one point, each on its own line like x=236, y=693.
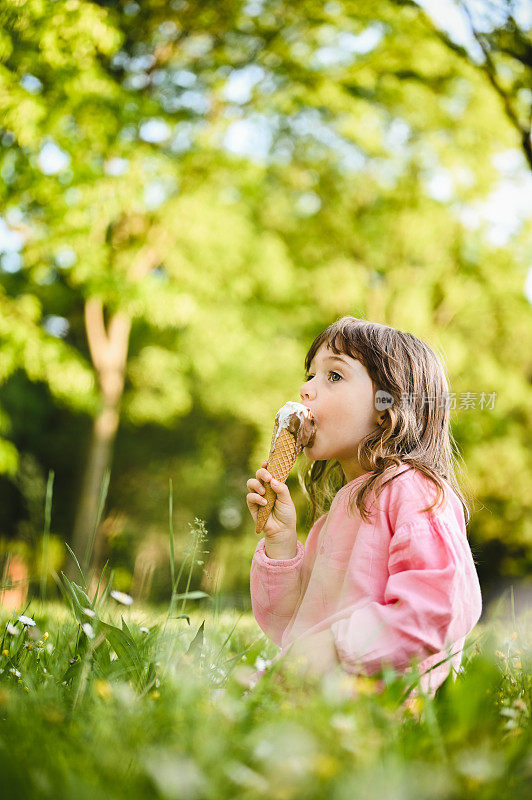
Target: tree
x=503, y=55
x=183, y=269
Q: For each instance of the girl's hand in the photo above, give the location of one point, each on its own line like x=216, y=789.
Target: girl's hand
x=313, y=656
x=282, y=521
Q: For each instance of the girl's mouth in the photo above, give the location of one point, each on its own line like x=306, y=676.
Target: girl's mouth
x=312, y=440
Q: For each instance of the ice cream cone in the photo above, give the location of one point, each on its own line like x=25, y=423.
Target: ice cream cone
x=279, y=466
x=288, y=439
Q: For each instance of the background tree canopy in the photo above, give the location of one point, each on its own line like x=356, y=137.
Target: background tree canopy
x=190, y=193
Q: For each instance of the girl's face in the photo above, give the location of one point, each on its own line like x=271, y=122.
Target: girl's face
x=341, y=396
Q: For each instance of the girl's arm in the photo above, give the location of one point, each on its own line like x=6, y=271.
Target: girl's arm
x=432, y=599
x=275, y=588
x=275, y=585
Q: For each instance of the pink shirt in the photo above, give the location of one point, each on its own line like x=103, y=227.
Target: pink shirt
x=402, y=586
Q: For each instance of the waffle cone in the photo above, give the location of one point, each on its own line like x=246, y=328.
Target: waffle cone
x=282, y=459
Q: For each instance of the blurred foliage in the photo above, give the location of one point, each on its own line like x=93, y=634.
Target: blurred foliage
x=500, y=46
x=128, y=129
x=105, y=704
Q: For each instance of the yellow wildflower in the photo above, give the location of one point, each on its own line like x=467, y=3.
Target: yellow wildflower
x=415, y=705
x=325, y=766
x=365, y=685
x=103, y=689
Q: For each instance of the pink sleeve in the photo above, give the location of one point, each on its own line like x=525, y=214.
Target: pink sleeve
x=432, y=599
x=275, y=587
x=275, y=584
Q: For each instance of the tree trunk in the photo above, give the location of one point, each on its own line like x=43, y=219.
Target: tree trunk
x=99, y=458
x=109, y=355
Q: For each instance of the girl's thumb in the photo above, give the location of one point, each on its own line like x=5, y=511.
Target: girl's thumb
x=278, y=487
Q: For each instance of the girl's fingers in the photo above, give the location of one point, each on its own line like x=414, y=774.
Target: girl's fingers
x=263, y=475
x=280, y=489
x=255, y=486
x=255, y=499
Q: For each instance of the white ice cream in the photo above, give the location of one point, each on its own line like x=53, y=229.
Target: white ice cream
x=284, y=419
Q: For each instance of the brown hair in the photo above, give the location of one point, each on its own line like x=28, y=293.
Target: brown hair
x=415, y=431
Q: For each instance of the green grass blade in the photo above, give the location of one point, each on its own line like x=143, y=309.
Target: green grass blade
x=105, y=593
x=77, y=563
x=99, y=581
x=171, y=525
x=195, y=595
x=46, y=534
x=228, y=636
x=101, y=504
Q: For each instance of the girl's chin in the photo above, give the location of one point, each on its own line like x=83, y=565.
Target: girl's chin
x=311, y=451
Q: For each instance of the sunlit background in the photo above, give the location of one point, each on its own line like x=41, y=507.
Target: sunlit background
x=190, y=193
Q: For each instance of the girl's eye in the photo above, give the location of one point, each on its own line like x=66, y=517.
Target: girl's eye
x=309, y=377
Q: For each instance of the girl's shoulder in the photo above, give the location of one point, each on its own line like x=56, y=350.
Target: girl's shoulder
x=405, y=478
x=407, y=493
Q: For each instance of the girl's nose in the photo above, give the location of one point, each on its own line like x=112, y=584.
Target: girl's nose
x=306, y=391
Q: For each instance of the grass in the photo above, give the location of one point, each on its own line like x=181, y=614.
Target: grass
x=104, y=700
x=112, y=716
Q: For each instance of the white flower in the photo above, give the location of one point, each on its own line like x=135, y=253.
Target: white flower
x=26, y=621
x=142, y=629
x=15, y=672
x=121, y=597
x=262, y=663
x=89, y=612
x=88, y=630
x=343, y=723
x=11, y=629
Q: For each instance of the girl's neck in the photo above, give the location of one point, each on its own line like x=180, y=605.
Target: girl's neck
x=356, y=477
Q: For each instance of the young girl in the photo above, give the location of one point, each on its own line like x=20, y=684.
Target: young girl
x=386, y=576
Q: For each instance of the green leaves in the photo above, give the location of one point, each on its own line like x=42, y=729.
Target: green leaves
x=132, y=664
x=102, y=722
x=77, y=598
x=131, y=656
x=224, y=258
x=197, y=642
